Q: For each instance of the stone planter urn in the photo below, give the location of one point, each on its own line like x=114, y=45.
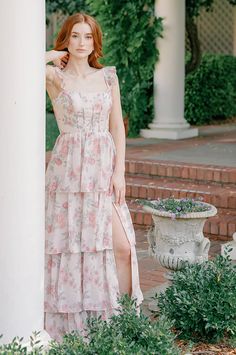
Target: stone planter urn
x=173, y=241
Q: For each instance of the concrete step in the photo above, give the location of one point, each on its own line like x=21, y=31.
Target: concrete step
x=148, y=188
x=220, y=227
x=185, y=171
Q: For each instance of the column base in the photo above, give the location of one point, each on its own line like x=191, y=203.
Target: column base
x=174, y=133
x=231, y=245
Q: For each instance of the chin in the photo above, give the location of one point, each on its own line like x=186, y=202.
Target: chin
x=80, y=55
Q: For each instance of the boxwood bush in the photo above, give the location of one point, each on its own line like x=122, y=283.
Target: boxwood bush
x=201, y=301
x=210, y=91
x=125, y=334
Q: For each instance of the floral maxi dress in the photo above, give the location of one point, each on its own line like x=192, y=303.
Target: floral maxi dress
x=80, y=271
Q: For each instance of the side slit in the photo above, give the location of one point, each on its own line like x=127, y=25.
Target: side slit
x=125, y=232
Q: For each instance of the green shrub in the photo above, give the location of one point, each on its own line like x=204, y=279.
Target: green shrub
x=49, y=107
x=210, y=91
x=52, y=131
x=16, y=347
x=125, y=334
x=202, y=300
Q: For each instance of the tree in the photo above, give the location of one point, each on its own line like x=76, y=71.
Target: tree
x=193, y=8
x=67, y=7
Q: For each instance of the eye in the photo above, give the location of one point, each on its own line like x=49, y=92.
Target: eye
x=74, y=36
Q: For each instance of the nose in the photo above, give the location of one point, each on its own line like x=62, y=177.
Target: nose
x=81, y=41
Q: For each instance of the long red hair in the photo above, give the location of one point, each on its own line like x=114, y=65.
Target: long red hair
x=64, y=35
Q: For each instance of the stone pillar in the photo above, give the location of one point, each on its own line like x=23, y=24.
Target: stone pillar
x=22, y=158
x=169, y=75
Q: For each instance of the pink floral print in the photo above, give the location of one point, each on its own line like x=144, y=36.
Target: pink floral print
x=80, y=271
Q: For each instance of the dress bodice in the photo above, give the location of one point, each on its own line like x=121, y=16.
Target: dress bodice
x=87, y=111
x=83, y=156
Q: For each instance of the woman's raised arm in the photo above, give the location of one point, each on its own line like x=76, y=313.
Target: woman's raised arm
x=59, y=58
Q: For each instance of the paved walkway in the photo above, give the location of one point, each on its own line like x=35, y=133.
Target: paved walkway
x=214, y=146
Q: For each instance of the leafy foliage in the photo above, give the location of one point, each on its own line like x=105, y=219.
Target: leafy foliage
x=193, y=7
x=16, y=346
x=177, y=207
x=49, y=107
x=130, y=30
x=126, y=333
x=52, y=131
x=67, y=7
x=210, y=91
x=202, y=300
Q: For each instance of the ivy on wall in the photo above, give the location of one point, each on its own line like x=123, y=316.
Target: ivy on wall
x=130, y=30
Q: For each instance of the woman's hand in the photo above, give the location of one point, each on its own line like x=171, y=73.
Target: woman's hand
x=118, y=183
x=59, y=58
x=62, y=59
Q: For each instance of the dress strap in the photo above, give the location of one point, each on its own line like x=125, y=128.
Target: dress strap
x=110, y=75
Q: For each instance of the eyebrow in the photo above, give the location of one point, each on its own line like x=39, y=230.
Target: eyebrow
x=89, y=33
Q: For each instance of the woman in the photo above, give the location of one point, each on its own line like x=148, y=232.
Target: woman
x=90, y=241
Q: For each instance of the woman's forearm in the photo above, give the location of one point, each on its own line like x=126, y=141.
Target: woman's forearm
x=50, y=56
x=118, y=134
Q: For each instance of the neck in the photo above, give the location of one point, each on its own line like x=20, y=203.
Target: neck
x=78, y=66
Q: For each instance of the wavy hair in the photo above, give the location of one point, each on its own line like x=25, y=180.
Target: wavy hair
x=65, y=32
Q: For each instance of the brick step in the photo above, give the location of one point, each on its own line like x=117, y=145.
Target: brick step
x=171, y=169
x=221, y=227
x=144, y=187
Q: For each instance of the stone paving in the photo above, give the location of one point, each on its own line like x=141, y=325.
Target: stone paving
x=215, y=145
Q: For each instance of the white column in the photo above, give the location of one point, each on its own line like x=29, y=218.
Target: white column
x=169, y=75
x=22, y=159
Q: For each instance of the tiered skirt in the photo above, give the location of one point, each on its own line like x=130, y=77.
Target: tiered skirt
x=80, y=270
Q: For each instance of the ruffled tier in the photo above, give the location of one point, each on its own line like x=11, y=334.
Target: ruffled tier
x=78, y=222
x=80, y=282
x=82, y=222
x=80, y=270
x=81, y=162
x=57, y=324
x=85, y=281
x=82, y=285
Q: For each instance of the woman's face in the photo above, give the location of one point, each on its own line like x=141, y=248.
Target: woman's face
x=81, y=40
